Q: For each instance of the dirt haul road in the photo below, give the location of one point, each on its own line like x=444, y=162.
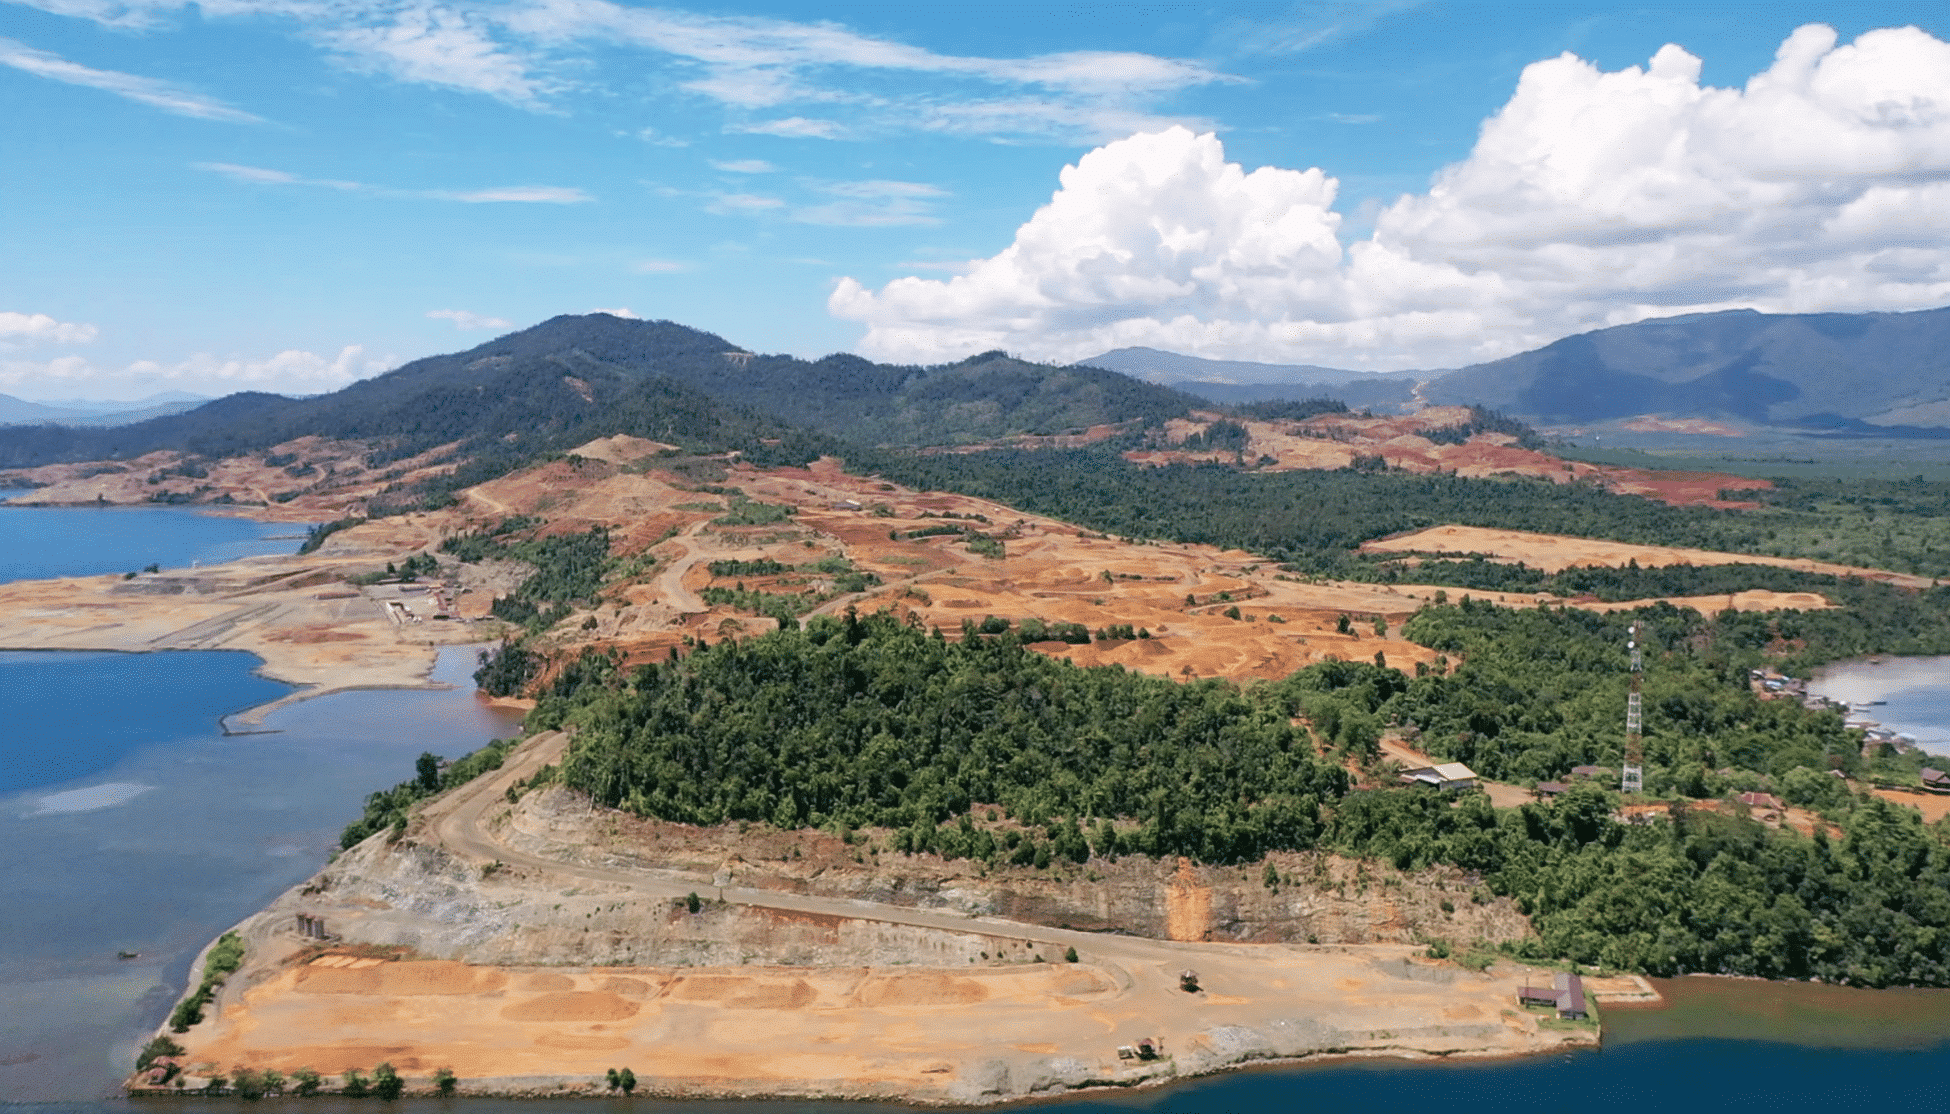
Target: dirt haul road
x=1017, y=1022
x=669, y=582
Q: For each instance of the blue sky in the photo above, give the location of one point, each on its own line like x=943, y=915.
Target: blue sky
x=286, y=194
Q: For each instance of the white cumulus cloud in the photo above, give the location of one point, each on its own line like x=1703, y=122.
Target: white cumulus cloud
x=39, y=328
x=465, y=319
x=1591, y=198
x=294, y=371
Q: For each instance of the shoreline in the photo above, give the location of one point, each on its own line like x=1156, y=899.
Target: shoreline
x=1864, y=681
x=254, y=716
x=580, y=1088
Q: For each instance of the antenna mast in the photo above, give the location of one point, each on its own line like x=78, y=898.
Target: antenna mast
x=1633, y=780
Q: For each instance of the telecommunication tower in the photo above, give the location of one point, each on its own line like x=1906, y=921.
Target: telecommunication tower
x=1633, y=779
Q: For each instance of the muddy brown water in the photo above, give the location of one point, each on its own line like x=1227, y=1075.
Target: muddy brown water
x=1806, y=1015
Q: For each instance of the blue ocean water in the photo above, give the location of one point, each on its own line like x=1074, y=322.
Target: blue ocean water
x=174, y=837
x=129, y=822
x=132, y=700
x=41, y=542
x=1910, y=696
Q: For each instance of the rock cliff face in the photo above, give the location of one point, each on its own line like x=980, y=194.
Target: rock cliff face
x=1318, y=898
x=530, y=944
x=414, y=894
x=422, y=900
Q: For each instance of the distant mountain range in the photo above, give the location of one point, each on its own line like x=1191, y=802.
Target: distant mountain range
x=1838, y=374
x=1861, y=373
x=571, y=379
x=1235, y=382
x=574, y=378
x=96, y=412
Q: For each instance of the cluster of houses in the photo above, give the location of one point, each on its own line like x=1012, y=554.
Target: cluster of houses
x=1876, y=738
x=1772, y=684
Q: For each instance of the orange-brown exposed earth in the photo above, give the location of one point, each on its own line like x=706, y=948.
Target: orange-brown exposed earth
x=1399, y=441
x=1555, y=552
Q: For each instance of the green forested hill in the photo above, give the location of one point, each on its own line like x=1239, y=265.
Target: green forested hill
x=869, y=722
x=503, y=405
x=579, y=377
x=866, y=722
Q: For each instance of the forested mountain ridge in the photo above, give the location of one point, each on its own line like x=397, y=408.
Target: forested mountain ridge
x=528, y=393
x=581, y=377
x=1821, y=370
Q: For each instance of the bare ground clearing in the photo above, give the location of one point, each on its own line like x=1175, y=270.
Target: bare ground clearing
x=1556, y=552
x=832, y=995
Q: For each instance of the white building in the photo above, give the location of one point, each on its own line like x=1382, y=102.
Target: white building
x=1443, y=775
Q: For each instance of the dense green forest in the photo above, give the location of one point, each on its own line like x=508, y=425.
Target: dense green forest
x=1313, y=520
x=863, y=721
x=866, y=722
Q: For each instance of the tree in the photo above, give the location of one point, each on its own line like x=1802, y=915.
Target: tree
x=443, y=1081
x=354, y=1084
x=157, y=1048
x=1380, y=626
x=305, y=1082
x=248, y=1084
x=386, y=1082
x=427, y=767
x=1345, y=625
x=692, y=903
x=1069, y=955
x=626, y=1079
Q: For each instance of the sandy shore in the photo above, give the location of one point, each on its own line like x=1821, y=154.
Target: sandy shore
x=307, y=627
